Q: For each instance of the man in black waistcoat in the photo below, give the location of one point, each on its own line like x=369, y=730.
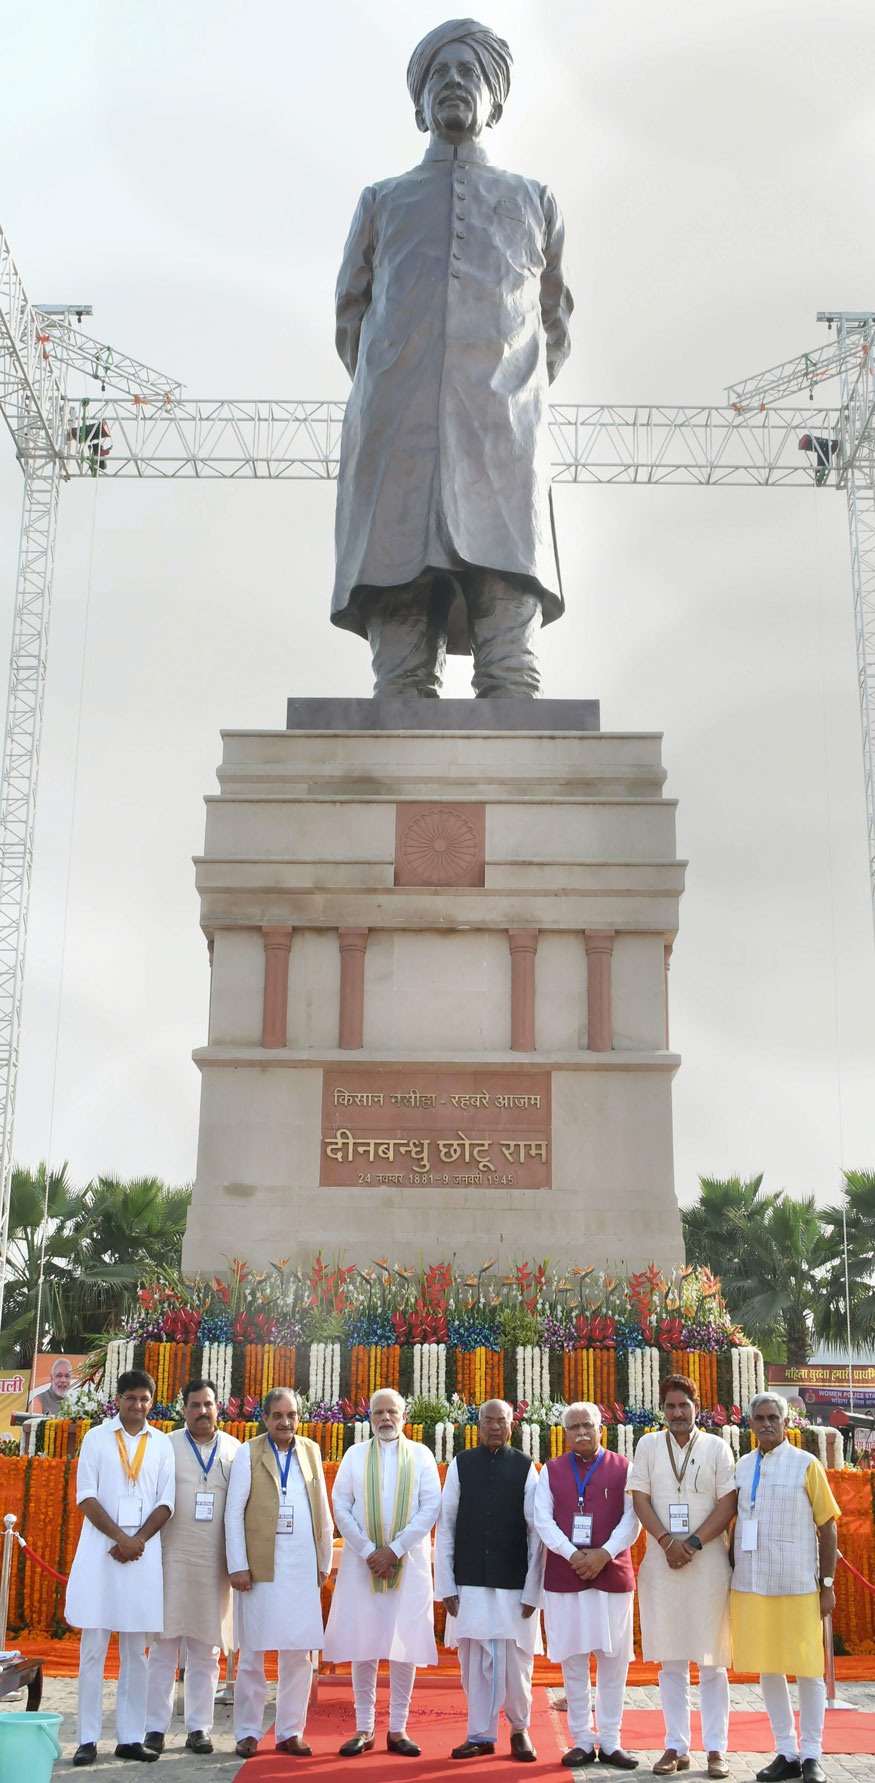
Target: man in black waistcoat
x=489, y=1570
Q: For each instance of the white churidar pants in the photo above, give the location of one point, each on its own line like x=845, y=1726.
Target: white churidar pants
x=364, y=1685
x=674, y=1691
x=611, y=1669
x=130, y=1702
x=812, y=1708
x=295, y=1675
x=202, y=1665
x=495, y=1675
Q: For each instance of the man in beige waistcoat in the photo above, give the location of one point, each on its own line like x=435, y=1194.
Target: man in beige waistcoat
x=278, y=1534
x=682, y=1482
x=197, y=1590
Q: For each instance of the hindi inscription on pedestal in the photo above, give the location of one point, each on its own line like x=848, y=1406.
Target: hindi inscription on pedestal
x=433, y=1128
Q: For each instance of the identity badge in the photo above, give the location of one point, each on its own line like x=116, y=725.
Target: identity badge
x=130, y=1511
x=581, y=1529
x=679, y=1519
x=748, y=1535
x=204, y=1504
x=285, y=1523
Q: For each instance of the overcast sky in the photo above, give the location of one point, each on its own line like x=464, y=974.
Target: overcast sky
x=191, y=171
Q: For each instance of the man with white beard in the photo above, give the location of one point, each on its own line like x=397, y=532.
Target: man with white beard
x=489, y=1570
x=386, y=1497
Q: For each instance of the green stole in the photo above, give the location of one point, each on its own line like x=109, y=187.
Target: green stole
x=374, y=1502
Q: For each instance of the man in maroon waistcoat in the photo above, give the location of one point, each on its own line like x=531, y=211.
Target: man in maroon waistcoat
x=586, y=1521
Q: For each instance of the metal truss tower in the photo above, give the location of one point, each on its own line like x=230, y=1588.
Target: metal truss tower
x=139, y=425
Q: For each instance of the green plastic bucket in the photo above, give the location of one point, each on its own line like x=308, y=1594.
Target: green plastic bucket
x=28, y=1746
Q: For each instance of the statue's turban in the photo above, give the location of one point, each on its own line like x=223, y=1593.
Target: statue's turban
x=491, y=51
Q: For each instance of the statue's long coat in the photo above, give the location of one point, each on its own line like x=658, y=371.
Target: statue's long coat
x=452, y=317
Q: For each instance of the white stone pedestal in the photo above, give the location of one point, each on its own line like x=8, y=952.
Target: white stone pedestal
x=438, y=1017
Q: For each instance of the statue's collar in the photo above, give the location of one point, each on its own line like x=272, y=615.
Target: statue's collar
x=473, y=153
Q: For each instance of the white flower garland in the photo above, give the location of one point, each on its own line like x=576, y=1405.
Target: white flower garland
x=216, y=1359
x=530, y=1436
x=651, y=1386
x=430, y=1370
x=119, y=1357
x=748, y=1375
x=443, y=1442
x=625, y=1440
x=731, y=1435
x=324, y=1373
x=532, y=1373
x=362, y=1432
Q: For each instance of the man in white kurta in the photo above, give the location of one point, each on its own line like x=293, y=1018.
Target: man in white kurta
x=486, y=1533
x=278, y=1540
x=380, y=1611
x=125, y=1489
x=197, y=1590
x=682, y=1482
x=584, y=1516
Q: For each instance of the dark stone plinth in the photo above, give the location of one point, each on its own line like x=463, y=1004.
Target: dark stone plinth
x=400, y=714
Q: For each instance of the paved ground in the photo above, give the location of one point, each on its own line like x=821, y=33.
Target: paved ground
x=179, y=1766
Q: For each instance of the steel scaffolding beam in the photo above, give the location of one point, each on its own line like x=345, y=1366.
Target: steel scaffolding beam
x=590, y=444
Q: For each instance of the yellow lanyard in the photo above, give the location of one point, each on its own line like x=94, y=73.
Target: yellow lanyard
x=132, y=1471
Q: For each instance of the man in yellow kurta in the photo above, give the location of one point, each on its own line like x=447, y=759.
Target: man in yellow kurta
x=782, y=1586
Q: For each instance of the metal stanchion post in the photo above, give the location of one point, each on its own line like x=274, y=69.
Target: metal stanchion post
x=226, y=1693
x=832, y=1701
x=9, y=1523
x=180, y=1686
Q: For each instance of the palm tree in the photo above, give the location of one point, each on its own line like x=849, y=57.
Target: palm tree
x=135, y=1229
x=65, y=1208
x=769, y=1251
x=855, y=1218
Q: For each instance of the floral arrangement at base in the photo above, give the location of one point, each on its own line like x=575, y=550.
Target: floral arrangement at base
x=446, y=1341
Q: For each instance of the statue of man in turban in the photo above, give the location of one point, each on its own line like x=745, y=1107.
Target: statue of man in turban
x=452, y=318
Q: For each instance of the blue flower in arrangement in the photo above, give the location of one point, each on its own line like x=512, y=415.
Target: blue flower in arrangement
x=372, y=1326
x=215, y=1329
x=557, y=1333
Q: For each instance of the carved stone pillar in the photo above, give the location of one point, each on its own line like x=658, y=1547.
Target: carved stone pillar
x=277, y=946
x=599, y=948
x=523, y=944
x=667, y=954
x=353, y=946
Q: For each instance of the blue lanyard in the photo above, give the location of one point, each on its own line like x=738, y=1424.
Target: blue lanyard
x=581, y=1489
x=756, y=1479
x=283, y=1472
x=204, y=1466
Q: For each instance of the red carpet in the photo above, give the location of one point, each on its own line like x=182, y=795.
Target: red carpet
x=437, y=1722
x=845, y=1731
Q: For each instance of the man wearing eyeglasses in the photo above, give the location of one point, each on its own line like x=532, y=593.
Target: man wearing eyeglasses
x=586, y=1521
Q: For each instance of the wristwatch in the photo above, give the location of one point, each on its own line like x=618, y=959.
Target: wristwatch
x=694, y=1542
x=827, y=1582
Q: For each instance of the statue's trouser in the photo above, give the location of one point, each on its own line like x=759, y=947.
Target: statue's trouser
x=407, y=632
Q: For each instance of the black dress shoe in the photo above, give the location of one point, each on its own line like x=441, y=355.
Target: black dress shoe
x=199, y=1742
x=521, y=1746
x=398, y=1742
x=621, y=1761
x=813, y=1771
x=136, y=1749
x=473, y=1749
x=577, y=1756
x=85, y=1754
x=780, y=1767
x=154, y=1742
x=360, y=1742
x=295, y=1746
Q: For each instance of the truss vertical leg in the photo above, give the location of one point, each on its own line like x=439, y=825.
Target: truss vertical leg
x=861, y=528
x=18, y=784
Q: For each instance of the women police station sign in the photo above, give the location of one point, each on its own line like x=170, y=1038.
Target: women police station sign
x=397, y=1127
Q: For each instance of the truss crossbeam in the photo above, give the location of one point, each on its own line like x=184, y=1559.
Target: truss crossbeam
x=590, y=444
x=117, y=371
x=845, y=350
x=31, y=398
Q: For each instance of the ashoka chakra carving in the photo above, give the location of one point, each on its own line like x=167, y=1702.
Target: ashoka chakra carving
x=440, y=847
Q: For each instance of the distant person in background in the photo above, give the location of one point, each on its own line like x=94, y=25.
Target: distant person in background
x=50, y=1398
x=782, y=1585
x=125, y=1491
